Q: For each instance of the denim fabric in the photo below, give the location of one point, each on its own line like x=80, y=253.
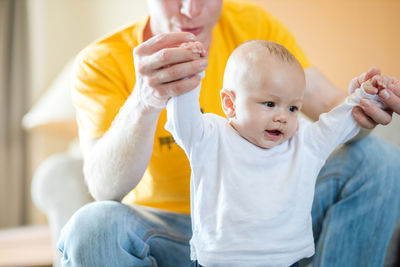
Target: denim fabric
x=109, y=233
x=196, y=264
x=355, y=211
x=356, y=206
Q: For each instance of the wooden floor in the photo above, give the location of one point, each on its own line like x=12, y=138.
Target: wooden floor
x=26, y=246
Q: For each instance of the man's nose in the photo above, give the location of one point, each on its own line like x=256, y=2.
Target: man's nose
x=190, y=8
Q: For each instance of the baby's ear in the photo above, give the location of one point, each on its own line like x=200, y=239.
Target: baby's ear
x=228, y=102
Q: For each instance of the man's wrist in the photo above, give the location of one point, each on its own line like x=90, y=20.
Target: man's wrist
x=141, y=106
x=135, y=112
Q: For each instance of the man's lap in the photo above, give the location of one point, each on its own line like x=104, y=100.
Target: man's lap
x=356, y=204
x=351, y=173
x=130, y=235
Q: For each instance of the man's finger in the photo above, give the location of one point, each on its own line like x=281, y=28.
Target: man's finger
x=390, y=99
x=375, y=113
x=178, y=71
x=181, y=86
x=165, y=57
x=353, y=85
x=362, y=119
x=394, y=86
x=164, y=40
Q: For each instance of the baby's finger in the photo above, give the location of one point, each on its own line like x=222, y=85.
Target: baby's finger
x=369, y=74
x=370, y=87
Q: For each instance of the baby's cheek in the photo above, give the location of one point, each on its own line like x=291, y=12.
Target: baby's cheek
x=293, y=129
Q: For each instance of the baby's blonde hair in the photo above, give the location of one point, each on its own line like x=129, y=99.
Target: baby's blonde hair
x=274, y=49
x=249, y=52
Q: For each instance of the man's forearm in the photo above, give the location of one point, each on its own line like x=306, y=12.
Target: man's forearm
x=115, y=163
x=321, y=95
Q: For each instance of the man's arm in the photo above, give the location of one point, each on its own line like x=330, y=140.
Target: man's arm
x=321, y=95
x=115, y=163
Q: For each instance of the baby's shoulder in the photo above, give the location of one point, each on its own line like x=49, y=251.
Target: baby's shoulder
x=303, y=124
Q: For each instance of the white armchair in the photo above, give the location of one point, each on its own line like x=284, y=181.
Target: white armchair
x=58, y=189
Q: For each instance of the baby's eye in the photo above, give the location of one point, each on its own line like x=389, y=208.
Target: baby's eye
x=293, y=108
x=269, y=104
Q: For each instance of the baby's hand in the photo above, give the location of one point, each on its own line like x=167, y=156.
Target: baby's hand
x=368, y=115
x=375, y=84
x=196, y=47
x=369, y=90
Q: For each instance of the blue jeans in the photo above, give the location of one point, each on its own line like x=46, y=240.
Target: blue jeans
x=196, y=264
x=355, y=211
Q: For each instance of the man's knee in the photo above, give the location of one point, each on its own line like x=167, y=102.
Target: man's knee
x=92, y=227
x=376, y=150
x=369, y=168
x=380, y=169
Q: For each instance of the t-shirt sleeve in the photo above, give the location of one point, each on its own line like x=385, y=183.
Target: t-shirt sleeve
x=331, y=130
x=99, y=89
x=184, y=119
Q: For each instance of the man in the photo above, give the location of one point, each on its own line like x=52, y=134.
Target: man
x=120, y=100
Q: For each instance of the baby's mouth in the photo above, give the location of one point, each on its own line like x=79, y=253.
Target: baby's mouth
x=273, y=135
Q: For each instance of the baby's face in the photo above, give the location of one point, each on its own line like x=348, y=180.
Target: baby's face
x=267, y=103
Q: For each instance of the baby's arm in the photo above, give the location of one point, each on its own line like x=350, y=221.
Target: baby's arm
x=337, y=126
x=184, y=118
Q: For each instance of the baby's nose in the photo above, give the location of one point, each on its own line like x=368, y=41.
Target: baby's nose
x=280, y=116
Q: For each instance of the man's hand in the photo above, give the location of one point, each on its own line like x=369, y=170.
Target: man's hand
x=389, y=91
x=164, y=69
x=368, y=115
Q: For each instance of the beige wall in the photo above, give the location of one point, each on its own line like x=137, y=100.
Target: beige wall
x=58, y=30
x=342, y=38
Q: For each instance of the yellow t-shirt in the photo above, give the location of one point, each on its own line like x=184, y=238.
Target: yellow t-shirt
x=105, y=77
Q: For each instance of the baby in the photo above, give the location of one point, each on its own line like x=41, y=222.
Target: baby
x=253, y=174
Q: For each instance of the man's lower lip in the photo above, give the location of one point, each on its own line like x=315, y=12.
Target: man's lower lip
x=195, y=31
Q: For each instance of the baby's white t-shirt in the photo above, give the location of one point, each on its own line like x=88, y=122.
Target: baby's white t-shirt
x=252, y=206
